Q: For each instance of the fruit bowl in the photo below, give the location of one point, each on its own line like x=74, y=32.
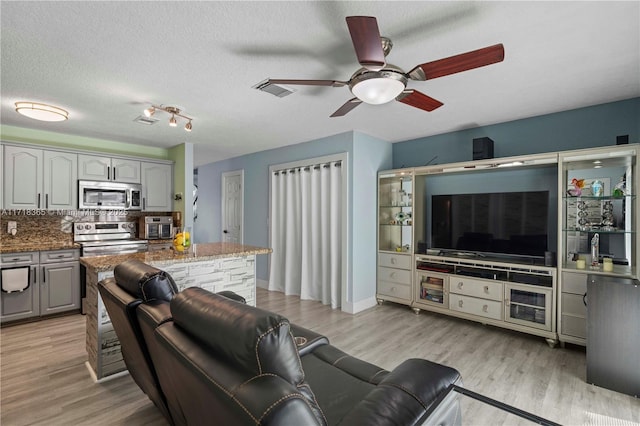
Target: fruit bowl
x=182, y=241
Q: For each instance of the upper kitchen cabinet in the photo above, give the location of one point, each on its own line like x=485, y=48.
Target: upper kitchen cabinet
x=91, y=167
x=39, y=179
x=157, y=188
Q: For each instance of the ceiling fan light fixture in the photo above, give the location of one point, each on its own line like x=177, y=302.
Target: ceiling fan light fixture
x=378, y=87
x=42, y=112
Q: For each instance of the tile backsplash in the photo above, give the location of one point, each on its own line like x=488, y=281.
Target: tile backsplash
x=50, y=226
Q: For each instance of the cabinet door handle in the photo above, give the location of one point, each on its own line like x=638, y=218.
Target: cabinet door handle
x=35, y=273
x=44, y=276
x=460, y=303
x=144, y=203
x=486, y=289
x=38, y=200
x=584, y=299
x=114, y=172
x=108, y=173
x=46, y=201
x=485, y=308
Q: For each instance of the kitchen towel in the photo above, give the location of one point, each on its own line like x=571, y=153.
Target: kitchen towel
x=15, y=279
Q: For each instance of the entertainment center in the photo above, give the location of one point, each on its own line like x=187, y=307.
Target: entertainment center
x=478, y=240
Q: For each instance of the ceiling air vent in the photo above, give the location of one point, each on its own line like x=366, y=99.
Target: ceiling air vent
x=274, y=89
x=142, y=119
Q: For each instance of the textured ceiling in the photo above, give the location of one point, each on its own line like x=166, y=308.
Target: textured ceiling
x=105, y=61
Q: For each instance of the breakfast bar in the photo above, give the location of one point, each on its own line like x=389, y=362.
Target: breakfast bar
x=212, y=266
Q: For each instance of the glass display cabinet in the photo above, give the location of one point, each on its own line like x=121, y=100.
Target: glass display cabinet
x=395, y=211
x=598, y=226
x=395, y=236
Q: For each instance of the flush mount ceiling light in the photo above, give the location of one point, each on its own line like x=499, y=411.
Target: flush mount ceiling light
x=42, y=112
x=174, y=111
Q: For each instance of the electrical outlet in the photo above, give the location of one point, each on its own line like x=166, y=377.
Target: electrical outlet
x=12, y=227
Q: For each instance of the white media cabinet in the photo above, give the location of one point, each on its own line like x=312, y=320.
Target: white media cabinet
x=548, y=301
x=507, y=295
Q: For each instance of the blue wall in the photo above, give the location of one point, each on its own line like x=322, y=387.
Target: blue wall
x=575, y=129
x=366, y=155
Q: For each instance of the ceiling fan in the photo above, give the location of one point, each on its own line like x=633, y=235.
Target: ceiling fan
x=379, y=82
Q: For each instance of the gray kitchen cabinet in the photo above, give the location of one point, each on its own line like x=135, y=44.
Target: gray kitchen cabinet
x=22, y=302
x=92, y=167
x=60, y=281
x=157, y=189
x=39, y=179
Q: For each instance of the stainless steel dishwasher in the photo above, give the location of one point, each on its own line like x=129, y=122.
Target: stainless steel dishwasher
x=613, y=333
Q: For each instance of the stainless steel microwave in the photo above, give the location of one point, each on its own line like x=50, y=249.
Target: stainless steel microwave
x=109, y=195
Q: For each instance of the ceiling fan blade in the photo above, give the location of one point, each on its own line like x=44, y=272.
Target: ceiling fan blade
x=348, y=106
x=418, y=100
x=333, y=83
x=366, y=41
x=458, y=63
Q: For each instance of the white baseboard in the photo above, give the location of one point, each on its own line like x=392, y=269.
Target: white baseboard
x=354, y=308
x=262, y=283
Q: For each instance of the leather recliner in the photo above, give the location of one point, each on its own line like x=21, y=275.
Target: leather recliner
x=220, y=362
x=133, y=283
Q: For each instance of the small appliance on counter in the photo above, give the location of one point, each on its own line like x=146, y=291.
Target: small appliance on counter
x=156, y=227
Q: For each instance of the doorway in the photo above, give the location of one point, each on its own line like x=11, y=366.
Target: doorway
x=232, y=206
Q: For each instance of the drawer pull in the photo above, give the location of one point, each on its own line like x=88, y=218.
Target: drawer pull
x=460, y=284
x=486, y=289
x=392, y=275
x=460, y=303
x=485, y=308
x=393, y=261
x=393, y=289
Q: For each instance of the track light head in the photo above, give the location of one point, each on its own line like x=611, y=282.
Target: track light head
x=149, y=111
x=172, y=121
x=188, y=126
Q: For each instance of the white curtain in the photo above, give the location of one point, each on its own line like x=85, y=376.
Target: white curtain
x=306, y=232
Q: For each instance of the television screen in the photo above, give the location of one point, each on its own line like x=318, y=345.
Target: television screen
x=514, y=223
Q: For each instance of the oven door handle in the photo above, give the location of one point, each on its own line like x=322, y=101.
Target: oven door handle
x=127, y=198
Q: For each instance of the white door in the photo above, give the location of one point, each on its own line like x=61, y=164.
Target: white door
x=232, y=209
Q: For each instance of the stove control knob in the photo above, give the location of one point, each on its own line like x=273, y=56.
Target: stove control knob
x=123, y=225
x=78, y=227
x=132, y=225
x=87, y=227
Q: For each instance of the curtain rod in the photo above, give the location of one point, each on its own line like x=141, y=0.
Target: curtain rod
x=308, y=167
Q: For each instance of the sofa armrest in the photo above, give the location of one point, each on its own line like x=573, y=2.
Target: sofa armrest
x=306, y=340
x=404, y=395
x=232, y=295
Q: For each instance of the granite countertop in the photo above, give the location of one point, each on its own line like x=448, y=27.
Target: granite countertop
x=10, y=245
x=198, y=252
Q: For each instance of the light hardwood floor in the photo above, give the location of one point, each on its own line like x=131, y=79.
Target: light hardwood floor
x=43, y=379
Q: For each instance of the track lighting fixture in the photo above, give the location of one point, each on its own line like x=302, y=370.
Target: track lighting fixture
x=174, y=111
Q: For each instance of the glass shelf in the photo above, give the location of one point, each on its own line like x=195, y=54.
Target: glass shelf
x=603, y=198
x=600, y=231
x=395, y=199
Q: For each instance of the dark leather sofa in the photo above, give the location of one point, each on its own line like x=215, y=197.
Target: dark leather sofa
x=206, y=359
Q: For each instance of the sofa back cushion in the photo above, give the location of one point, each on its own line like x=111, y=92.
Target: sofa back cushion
x=144, y=281
x=255, y=340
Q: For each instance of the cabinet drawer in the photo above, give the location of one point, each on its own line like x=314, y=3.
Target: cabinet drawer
x=401, y=291
x=9, y=259
x=574, y=326
x=472, y=305
x=394, y=260
x=477, y=288
x=56, y=256
x=401, y=276
x=573, y=304
x=574, y=283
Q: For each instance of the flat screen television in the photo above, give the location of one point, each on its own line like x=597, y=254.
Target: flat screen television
x=507, y=223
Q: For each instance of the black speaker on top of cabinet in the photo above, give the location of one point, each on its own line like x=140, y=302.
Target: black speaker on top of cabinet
x=622, y=140
x=482, y=148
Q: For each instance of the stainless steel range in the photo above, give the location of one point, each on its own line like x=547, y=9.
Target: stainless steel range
x=105, y=238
